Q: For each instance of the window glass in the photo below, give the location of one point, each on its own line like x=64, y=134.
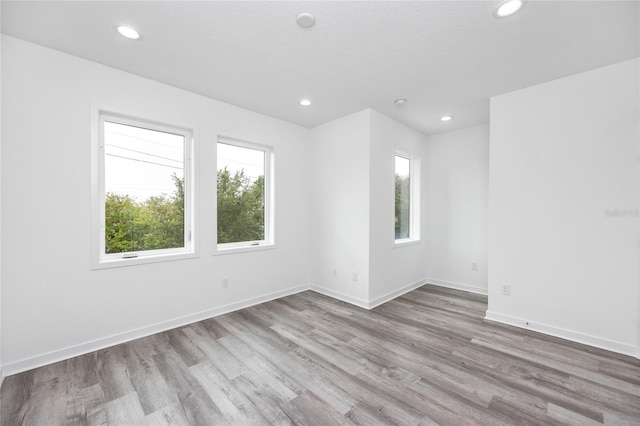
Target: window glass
x=144, y=189
x=242, y=194
x=402, y=197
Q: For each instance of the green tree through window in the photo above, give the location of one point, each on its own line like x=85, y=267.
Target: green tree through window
x=240, y=207
x=402, y=197
x=156, y=223
x=402, y=221
x=244, y=194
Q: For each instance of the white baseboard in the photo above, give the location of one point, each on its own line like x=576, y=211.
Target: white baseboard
x=362, y=303
x=94, y=345
x=396, y=293
x=574, y=336
x=30, y=363
x=367, y=304
x=458, y=286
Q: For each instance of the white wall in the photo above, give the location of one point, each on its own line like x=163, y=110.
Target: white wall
x=1, y=370
x=456, y=168
x=394, y=270
x=352, y=210
x=340, y=208
x=562, y=154
x=53, y=305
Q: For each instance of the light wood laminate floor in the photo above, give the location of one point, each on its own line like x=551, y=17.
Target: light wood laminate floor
x=425, y=358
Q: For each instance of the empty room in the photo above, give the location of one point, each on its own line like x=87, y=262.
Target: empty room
x=319, y=213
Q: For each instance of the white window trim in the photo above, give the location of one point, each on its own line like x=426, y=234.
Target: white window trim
x=101, y=260
x=414, y=205
x=269, y=196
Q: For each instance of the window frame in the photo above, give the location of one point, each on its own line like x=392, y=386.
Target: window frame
x=99, y=258
x=414, y=200
x=268, y=242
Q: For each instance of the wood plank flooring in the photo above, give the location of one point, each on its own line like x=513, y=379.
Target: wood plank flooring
x=425, y=358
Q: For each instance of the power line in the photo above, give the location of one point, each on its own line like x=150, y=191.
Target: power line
x=144, y=161
x=252, y=165
x=145, y=153
x=145, y=139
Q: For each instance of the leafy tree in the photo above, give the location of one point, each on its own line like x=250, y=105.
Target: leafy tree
x=164, y=219
x=156, y=223
x=240, y=207
x=120, y=213
x=402, y=206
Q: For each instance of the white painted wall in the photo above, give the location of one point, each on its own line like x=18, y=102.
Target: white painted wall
x=352, y=209
x=1, y=370
x=394, y=270
x=340, y=207
x=562, y=154
x=456, y=168
x=53, y=305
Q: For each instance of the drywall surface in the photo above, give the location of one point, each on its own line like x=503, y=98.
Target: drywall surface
x=53, y=305
x=394, y=269
x=339, y=219
x=563, y=207
x=456, y=168
x=1, y=372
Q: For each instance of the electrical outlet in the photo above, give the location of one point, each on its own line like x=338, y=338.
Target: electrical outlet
x=355, y=275
x=474, y=266
x=225, y=283
x=506, y=290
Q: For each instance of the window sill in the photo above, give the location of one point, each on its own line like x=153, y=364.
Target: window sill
x=243, y=249
x=405, y=242
x=142, y=260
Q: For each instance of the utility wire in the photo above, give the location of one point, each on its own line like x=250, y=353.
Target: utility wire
x=144, y=153
x=113, y=132
x=144, y=161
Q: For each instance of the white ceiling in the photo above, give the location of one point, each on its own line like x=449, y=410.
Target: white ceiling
x=444, y=57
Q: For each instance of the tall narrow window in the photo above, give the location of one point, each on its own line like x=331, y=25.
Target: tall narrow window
x=144, y=191
x=244, y=195
x=406, y=226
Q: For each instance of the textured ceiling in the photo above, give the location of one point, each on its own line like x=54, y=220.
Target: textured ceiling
x=444, y=57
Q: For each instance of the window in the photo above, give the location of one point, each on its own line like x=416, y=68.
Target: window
x=244, y=191
x=142, y=192
x=406, y=224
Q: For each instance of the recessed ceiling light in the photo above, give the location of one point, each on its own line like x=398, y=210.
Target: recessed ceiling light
x=508, y=8
x=305, y=102
x=128, y=32
x=400, y=102
x=446, y=118
x=305, y=20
